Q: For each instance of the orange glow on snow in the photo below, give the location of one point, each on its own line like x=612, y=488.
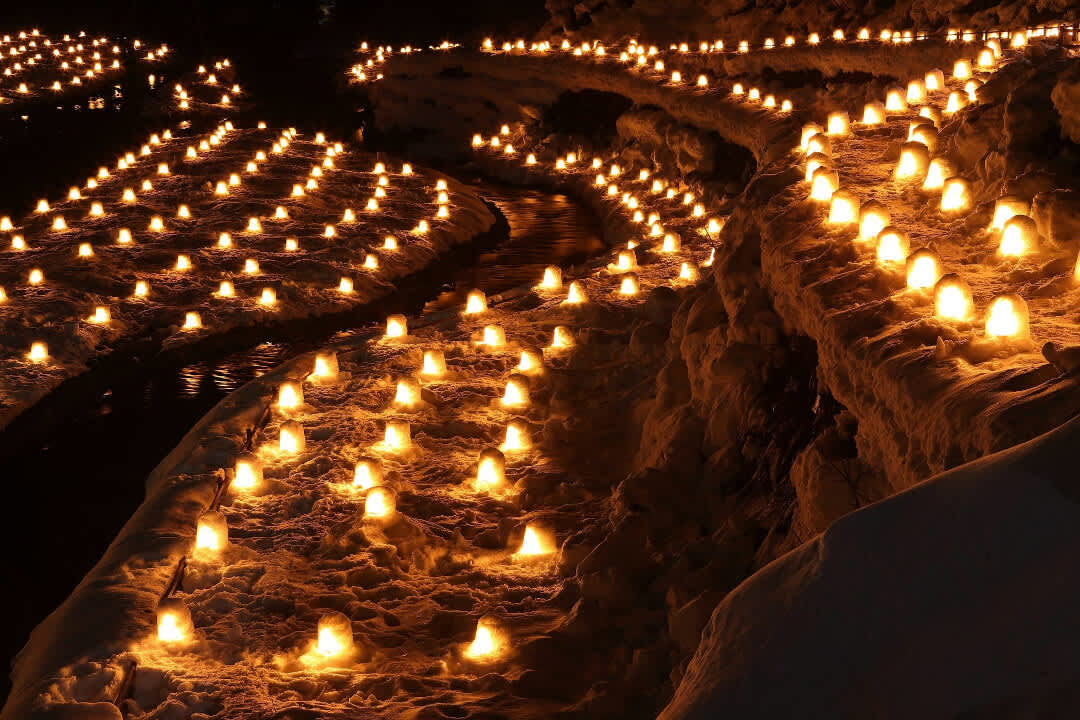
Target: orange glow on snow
x=291, y=437
x=552, y=279
x=892, y=245
x=367, y=474
x=490, y=470
x=952, y=299
x=476, y=302
x=397, y=435
x=396, y=326
x=1007, y=317
x=248, y=473
x=407, y=394
x=434, y=363
x=290, y=396
x=517, y=437
x=923, y=270
x=535, y=542
x=516, y=393
x=379, y=503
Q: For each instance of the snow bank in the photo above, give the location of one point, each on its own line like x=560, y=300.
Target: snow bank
x=954, y=597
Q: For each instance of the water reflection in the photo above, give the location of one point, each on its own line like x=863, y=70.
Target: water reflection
x=545, y=230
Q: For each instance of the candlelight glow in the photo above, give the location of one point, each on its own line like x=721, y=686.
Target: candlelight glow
x=486, y=644
x=407, y=394
x=248, y=472
x=290, y=396
x=85, y=250
x=517, y=437
x=916, y=92
x=1018, y=236
x=516, y=393
x=535, y=542
x=873, y=217
x=824, y=184
x=476, y=302
x=1007, y=317
x=962, y=70
x=552, y=279
x=192, y=321
x=530, y=361
x=397, y=435
x=493, y=336
x=936, y=174
x=379, y=503
x=895, y=100
x=923, y=270
x=1005, y=208
x=893, y=245
x=562, y=337
x=211, y=533
x=813, y=162
x=345, y=286
x=396, y=326
x=39, y=352
x=952, y=298
x=934, y=81
x=576, y=294
x=688, y=273
x=142, y=288
x=955, y=195
x=101, y=316
x=367, y=474
x=335, y=637
x=842, y=208
x=291, y=437
x=173, y=622
x=671, y=243
x=818, y=143
x=809, y=130
x=326, y=367
x=628, y=286
x=490, y=470
x=434, y=364
x=626, y=260
x=914, y=161
x=838, y=125
x=873, y=113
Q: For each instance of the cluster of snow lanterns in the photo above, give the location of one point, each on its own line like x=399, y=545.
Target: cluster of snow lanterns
x=1007, y=315
x=605, y=179
x=37, y=52
x=267, y=297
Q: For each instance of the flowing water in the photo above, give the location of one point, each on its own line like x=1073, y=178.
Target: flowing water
x=75, y=471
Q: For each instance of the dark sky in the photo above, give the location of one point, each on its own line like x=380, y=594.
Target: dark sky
x=211, y=24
